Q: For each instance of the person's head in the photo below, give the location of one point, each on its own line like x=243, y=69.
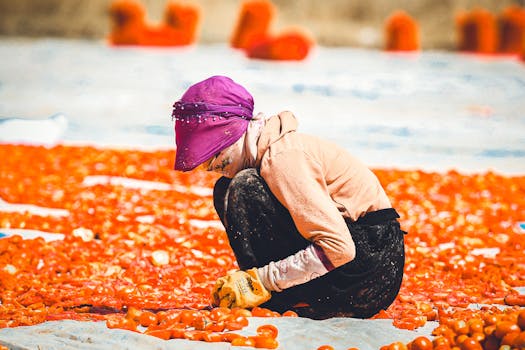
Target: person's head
x=211, y=116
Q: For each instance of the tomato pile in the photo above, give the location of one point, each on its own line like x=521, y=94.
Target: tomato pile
x=464, y=244
x=489, y=328
x=136, y=248
x=202, y=325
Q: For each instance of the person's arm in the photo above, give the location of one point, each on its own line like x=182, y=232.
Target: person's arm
x=298, y=183
x=299, y=268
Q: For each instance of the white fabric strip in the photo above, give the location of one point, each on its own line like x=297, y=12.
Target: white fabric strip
x=299, y=268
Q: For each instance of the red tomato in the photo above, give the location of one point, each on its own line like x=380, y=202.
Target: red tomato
x=265, y=342
x=147, y=318
x=290, y=313
x=505, y=327
x=325, y=347
x=262, y=312
x=219, y=313
x=521, y=320
x=211, y=337
x=397, y=346
x=470, y=344
x=519, y=341
x=268, y=330
x=421, y=343
x=159, y=333
x=243, y=341
x=229, y=337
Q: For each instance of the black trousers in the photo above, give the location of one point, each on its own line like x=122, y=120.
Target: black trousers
x=260, y=229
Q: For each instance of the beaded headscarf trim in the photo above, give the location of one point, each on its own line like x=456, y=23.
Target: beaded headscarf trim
x=184, y=111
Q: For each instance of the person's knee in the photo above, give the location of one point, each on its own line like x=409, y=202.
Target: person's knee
x=248, y=190
x=246, y=181
x=219, y=195
x=221, y=187
x=245, y=176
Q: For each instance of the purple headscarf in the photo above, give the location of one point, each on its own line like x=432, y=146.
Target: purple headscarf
x=211, y=115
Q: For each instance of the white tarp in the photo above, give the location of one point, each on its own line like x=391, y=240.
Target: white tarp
x=431, y=110
x=294, y=333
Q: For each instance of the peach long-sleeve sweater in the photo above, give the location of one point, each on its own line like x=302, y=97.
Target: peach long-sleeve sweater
x=320, y=184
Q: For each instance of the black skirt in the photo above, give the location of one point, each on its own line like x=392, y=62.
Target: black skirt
x=260, y=230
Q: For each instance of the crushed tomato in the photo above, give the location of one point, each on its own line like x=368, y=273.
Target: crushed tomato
x=131, y=252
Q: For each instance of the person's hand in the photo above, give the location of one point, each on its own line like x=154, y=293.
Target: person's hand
x=241, y=289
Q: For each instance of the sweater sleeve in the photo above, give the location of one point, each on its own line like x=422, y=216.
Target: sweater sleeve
x=298, y=183
x=303, y=266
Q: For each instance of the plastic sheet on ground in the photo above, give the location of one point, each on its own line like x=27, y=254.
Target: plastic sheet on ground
x=432, y=110
x=428, y=110
x=294, y=333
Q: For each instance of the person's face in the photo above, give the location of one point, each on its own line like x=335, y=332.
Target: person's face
x=207, y=165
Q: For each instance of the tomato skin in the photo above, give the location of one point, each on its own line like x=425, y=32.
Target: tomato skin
x=519, y=341
x=235, y=322
x=169, y=317
x=325, y=347
x=460, y=327
x=489, y=330
x=475, y=326
x=521, y=320
x=177, y=332
x=187, y=317
x=515, y=299
x=490, y=319
x=405, y=324
x=290, y=313
x=267, y=330
x=397, y=346
x=509, y=338
x=479, y=337
x=122, y=323
x=229, y=337
x=505, y=327
x=440, y=341
x=241, y=312
x=219, y=313
x=243, y=341
x=241, y=320
x=491, y=343
x=195, y=335
x=460, y=338
x=470, y=344
x=147, y=319
x=421, y=343
x=265, y=342
x=442, y=347
x=212, y=337
x=133, y=313
x=160, y=333
x=112, y=323
x=262, y=312
x=217, y=326
x=201, y=322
